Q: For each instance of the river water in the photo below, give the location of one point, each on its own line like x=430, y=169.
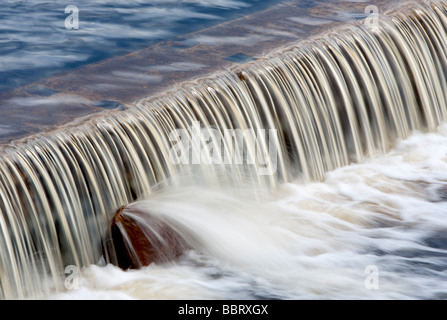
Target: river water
x=36, y=42
x=373, y=230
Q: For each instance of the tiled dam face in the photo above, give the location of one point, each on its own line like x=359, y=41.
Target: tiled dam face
x=217, y=132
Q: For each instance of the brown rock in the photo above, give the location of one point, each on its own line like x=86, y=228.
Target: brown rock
x=140, y=239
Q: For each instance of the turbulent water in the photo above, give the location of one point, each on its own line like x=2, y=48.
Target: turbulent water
x=254, y=167
x=386, y=215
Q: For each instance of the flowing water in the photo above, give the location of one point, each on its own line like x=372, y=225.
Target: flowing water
x=314, y=173
x=321, y=240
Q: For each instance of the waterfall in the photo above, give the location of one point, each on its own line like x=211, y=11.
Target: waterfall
x=323, y=104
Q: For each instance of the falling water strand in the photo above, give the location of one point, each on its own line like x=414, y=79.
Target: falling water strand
x=332, y=101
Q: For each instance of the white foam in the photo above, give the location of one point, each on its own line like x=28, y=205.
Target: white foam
x=310, y=241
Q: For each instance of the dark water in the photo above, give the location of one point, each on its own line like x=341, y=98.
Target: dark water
x=35, y=42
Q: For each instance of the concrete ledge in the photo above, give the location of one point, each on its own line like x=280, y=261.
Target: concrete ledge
x=116, y=83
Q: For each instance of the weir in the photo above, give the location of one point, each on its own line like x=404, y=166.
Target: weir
x=328, y=101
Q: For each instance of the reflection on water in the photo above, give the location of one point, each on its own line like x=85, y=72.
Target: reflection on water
x=34, y=42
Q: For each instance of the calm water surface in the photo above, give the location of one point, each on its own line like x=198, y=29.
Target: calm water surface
x=35, y=43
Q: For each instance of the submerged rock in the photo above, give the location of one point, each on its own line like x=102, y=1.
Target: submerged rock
x=140, y=239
